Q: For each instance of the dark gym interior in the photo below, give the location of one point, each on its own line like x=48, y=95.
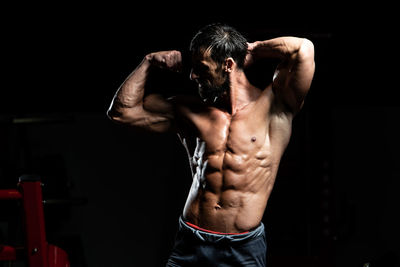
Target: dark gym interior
x=113, y=196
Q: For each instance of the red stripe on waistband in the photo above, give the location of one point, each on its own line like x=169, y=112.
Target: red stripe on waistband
x=213, y=232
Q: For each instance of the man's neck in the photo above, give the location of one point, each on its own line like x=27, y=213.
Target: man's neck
x=240, y=94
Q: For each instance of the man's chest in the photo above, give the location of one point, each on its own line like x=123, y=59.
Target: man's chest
x=221, y=132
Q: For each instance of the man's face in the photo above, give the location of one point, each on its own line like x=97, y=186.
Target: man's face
x=210, y=76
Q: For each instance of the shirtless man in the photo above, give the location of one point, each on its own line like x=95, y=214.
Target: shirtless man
x=234, y=134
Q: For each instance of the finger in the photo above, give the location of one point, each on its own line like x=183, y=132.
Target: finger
x=176, y=61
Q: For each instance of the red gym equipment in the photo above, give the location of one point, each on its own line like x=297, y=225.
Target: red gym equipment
x=36, y=252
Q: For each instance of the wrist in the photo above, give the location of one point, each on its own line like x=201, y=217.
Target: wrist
x=148, y=57
x=147, y=60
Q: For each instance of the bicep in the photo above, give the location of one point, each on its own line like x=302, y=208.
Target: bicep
x=155, y=114
x=293, y=77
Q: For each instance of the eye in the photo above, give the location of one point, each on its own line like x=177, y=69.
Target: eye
x=200, y=68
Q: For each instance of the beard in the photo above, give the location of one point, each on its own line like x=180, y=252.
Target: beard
x=211, y=93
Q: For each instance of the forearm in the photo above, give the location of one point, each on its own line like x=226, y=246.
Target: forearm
x=130, y=94
x=133, y=106
x=282, y=47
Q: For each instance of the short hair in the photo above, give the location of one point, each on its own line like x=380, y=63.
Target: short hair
x=223, y=41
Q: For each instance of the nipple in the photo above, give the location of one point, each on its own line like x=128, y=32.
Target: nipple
x=253, y=139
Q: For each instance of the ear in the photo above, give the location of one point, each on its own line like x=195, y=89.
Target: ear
x=229, y=63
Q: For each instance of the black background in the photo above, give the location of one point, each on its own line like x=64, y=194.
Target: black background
x=335, y=199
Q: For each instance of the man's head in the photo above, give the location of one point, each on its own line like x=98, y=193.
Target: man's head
x=214, y=48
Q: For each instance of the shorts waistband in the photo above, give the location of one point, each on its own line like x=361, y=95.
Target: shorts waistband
x=211, y=236
x=213, y=232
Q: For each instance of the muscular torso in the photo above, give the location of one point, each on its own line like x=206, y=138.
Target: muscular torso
x=234, y=161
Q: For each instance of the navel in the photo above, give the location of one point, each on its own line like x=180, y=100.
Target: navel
x=253, y=139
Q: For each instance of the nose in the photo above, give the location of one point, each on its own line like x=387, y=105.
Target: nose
x=193, y=75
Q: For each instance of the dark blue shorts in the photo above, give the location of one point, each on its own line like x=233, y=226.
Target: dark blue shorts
x=195, y=247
